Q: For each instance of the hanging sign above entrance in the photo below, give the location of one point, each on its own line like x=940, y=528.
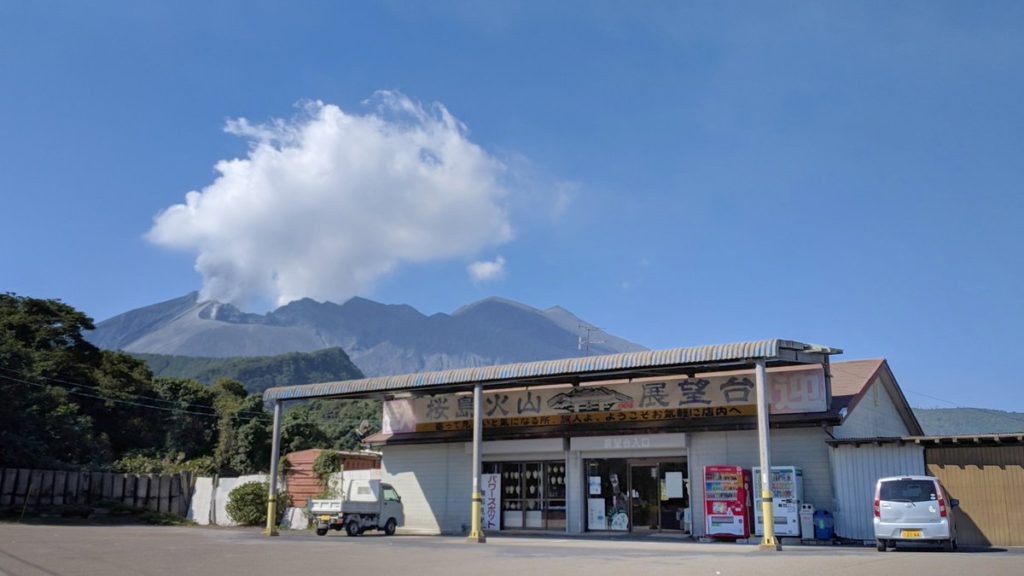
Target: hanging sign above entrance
x=700, y=397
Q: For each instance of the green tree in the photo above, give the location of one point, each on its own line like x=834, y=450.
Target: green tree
x=243, y=430
x=188, y=433
x=41, y=345
x=128, y=416
x=302, y=429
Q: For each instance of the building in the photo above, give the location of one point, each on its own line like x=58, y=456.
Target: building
x=620, y=442
x=548, y=473
x=302, y=483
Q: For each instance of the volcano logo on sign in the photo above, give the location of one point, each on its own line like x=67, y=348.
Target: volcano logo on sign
x=596, y=399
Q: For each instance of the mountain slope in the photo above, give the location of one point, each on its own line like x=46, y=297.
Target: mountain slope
x=258, y=373
x=379, y=338
x=966, y=421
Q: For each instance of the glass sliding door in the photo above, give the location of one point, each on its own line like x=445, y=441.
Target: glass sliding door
x=636, y=494
x=675, y=496
x=606, y=484
x=644, y=497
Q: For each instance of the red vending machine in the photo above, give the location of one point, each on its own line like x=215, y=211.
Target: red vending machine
x=726, y=502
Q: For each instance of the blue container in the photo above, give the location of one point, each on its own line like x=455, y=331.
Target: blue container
x=823, y=525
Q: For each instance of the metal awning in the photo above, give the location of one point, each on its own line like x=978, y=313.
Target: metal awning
x=774, y=352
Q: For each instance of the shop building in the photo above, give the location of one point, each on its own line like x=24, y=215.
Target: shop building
x=617, y=443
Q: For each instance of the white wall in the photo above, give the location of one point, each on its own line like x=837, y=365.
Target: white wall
x=874, y=416
x=210, y=497
x=202, y=501
x=801, y=447
x=435, y=482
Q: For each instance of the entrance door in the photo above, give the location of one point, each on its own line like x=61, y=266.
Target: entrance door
x=644, y=497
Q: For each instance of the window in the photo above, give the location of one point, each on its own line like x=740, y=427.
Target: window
x=908, y=491
x=532, y=494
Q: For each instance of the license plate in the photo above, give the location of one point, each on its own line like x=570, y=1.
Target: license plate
x=911, y=533
x=325, y=519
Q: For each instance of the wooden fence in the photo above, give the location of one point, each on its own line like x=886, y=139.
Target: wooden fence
x=34, y=490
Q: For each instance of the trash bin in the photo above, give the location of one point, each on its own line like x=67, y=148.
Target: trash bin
x=807, y=521
x=823, y=525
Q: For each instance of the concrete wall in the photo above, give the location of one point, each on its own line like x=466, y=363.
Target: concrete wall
x=210, y=496
x=801, y=447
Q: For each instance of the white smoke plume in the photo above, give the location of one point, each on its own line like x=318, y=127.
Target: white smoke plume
x=326, y=203
x=480, y=272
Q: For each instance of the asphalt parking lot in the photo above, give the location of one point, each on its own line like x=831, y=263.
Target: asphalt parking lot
x=31, y=550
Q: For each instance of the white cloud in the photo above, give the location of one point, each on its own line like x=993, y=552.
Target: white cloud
x=326, y=203
x=487, y=271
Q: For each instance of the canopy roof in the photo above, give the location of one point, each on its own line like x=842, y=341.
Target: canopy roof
x=774, y=352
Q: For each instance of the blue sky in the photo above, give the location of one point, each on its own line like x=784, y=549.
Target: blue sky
x=677, y=173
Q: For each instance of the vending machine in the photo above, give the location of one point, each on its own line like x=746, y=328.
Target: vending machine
x=787, y=484
x=726, y=502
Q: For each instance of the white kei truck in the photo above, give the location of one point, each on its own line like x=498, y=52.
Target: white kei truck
x=364, y=505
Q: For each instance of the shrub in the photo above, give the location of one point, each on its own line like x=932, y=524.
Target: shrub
x=164, y=519
x=247, y=504
x=141, y=464
x=326, y=463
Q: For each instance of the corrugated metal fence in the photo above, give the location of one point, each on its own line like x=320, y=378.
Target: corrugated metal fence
x=22, y=488
x=855, y=470
x=989, y=482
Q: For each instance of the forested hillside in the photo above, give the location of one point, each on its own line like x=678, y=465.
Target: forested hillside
x=258, y=373
x=960, y=421
x=313, y=424
x=71, y=405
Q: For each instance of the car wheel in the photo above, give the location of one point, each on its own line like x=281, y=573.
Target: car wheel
x=321, y=531
x=949, y=545
x=880, y=544
x=389, y=528
x=352, y=528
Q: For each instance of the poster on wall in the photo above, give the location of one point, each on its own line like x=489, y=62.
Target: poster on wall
x=595, y=514
x=491, y=509
x=674, y=484
x=595, y=485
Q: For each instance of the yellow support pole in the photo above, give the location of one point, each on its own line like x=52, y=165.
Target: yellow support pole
x=769, y=542
x=476, y=532
x=271, y=529
x=275, y=454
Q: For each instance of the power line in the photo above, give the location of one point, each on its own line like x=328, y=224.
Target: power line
x=988, y=411
x=136, y=396
x=127, y=402
x=104, y=398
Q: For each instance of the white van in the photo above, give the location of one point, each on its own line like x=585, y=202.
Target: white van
x=913, y=509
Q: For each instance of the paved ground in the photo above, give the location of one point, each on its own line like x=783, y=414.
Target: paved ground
x=31, y=550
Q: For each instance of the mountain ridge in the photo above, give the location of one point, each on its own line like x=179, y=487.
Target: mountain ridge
x=381, y=339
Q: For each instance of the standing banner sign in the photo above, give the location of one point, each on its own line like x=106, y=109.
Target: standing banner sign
x=491, y=508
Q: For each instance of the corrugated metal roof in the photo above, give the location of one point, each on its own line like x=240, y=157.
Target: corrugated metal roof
x=702, y=355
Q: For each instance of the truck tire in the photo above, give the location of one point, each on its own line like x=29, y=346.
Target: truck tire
x=321, y=531
x=352, y=527
x=389, y=528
